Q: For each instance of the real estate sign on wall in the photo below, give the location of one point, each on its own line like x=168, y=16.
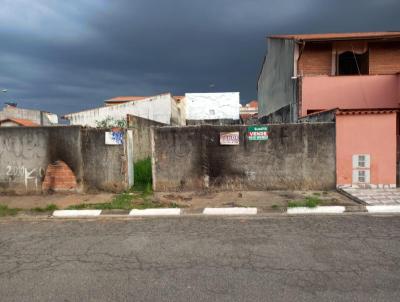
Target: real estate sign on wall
x=114, y=138
x=229, y=138
x=257, y=133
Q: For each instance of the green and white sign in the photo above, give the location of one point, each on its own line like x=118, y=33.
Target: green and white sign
x=257, y=133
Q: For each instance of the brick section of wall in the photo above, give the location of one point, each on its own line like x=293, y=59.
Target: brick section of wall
x=384, y=58
x=316, y=59
x=59, y=178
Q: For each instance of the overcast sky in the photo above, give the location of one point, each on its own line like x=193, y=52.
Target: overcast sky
x=64, y=56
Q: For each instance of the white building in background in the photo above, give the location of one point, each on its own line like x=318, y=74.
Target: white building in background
x=37, y=117
x=160, y=108
x=222, y=106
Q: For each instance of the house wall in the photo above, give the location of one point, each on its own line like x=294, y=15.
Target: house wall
x=320, y=58
x=212, y=106
x=36, y=116
x=177, y=118
x=349, y=92
x=384, y=58
x=157, y=108
x=315, y=59
x=373, y=134
x=9, y=124
x=276, y=88
x=296, y=156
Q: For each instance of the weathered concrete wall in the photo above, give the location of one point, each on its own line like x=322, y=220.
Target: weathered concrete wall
x=25, y=153
x=141, y=136
x=282, y=115
x=24, y=156
x=296, y=156
x=104, y=166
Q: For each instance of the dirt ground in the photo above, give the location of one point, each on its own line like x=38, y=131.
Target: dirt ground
x=190, y=200
x=259, y=199
x=61, y=200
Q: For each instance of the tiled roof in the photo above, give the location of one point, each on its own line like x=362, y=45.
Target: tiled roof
x=340, y=36
x=252, y=104
x=21, y=122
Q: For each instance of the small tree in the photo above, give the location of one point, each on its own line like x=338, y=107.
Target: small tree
x=111, y=122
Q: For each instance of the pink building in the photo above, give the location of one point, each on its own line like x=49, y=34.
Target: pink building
x=350, y=78
x=366, y=148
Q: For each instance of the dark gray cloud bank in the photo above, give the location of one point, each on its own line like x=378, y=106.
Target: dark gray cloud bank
x=64, y=56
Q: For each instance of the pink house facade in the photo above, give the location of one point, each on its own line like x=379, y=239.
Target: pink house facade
x=366, y=148
x=349, y=92
x=352, y=79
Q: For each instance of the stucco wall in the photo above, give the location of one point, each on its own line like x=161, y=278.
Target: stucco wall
x=104, y=166
x=25, y=153
x=141, y=136
x=24, y=156
x=212, y=106
x=157, y=108
x=373, y=134
x=276, y=88
x=349, y=92
x=296, y=156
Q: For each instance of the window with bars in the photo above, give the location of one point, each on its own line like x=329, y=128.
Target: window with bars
x=361, y=176
x=361, y=161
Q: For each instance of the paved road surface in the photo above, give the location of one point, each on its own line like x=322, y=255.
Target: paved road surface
x=347, y=258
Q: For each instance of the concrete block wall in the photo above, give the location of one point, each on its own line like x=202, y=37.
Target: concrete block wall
x=296, y=157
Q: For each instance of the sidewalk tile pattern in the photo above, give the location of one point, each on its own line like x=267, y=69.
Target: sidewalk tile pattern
x=376, y=196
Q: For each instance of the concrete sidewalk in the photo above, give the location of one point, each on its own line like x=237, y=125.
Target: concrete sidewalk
x=375, y=196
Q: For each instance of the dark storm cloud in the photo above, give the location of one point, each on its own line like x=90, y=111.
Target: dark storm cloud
x=65, y=56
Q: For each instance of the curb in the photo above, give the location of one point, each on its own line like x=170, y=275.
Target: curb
x=76, y=213
x=156, y=212
x=317, y=210
x=384, y=209
x=238, y=211
x=230, y=211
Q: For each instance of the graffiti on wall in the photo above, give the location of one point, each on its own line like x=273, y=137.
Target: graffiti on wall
x=35, y=175
x=23, y=156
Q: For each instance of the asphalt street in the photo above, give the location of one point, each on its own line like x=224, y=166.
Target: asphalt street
x=322, y=258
